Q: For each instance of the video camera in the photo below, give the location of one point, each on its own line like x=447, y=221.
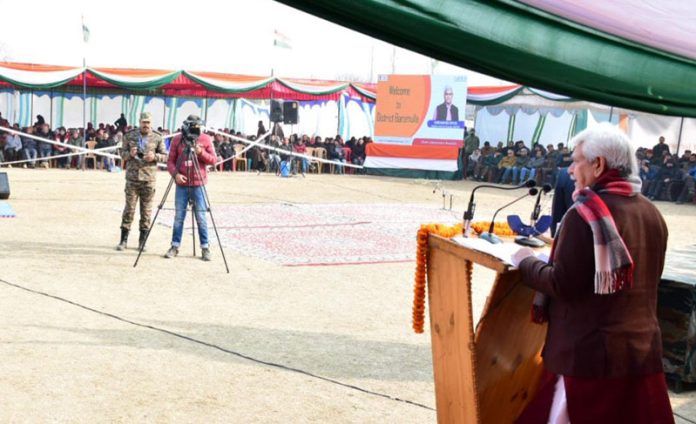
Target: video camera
x=191, y=129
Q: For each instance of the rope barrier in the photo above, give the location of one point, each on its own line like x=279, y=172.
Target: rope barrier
x=283, y=151
x=38, y=159
x=83, y=150
x=243, y=151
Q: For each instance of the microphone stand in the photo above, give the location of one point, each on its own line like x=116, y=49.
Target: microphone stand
x=469, y=213
x=490, y=236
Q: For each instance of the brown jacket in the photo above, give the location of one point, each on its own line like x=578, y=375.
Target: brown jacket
x=592, y=335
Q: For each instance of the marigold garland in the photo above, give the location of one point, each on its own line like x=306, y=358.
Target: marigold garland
x=499, y=228
x=447, y=231
x=421, y=272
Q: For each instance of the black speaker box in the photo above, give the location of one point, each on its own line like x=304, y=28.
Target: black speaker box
x=276, y=111
x=4, y=186
x=290, y=113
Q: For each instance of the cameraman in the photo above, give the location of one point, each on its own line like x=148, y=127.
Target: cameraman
x=190, y=180
x=142, y=148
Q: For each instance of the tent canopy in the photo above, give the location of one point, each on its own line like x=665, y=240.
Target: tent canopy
x=626, y=53
x=180, y=83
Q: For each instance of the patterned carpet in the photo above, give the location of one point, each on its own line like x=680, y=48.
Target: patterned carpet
x=321, y=234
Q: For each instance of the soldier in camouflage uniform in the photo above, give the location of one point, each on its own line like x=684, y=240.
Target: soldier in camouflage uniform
x=142, y=148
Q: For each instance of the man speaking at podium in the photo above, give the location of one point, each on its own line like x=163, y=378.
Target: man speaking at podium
x=603, y=350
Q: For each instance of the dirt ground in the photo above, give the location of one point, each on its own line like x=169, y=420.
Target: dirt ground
x=86, y=337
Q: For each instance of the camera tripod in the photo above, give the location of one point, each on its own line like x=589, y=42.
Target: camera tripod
x=192, y=159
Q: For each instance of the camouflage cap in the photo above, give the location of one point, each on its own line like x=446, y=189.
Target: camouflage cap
x=146, y=116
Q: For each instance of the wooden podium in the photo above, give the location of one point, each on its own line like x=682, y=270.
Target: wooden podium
x=488, y=374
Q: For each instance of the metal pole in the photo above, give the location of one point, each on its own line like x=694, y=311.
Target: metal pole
x=164, y=113
x=681, y=127
x=611, y=113
x=84, y=106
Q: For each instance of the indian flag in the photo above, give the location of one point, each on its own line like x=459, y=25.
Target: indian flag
x=281, y=40
x=417, y=157
x=85, y=31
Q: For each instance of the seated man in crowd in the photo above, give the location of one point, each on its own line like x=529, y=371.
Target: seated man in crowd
x=225, y=150
x=523, y=168
x=104, y=141
x=549, y=169
x=487, y=149
x=507, y=165
x=473, y=163
x=536, y=164
x=687, y=193
x=335, y=153
x=13, y=146
x=274, y=155
x=489, y=167
x=29, y=145
x=667, y=174
x=285, y=158
x=301, y=163
x=684, y=161
x=358, y=156
x=60, y=136
x=45, y=148
x=75, y=139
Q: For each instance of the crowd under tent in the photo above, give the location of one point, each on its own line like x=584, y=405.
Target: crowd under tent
x=536, y=116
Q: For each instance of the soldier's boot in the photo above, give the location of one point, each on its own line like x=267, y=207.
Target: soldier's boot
x=124, y=240
x=141, y=240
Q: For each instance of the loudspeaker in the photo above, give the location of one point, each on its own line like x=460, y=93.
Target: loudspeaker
x=4, y=186
x=276, y=111
x=290, y=113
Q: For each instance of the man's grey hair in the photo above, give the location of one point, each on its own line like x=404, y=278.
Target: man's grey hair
x=448, y=87
x=607, y=141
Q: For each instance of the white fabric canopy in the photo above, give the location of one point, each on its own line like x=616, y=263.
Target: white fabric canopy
x=492, y=128
x=556, y=129
x=525, y=124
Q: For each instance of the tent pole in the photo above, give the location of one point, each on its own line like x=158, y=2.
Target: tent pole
x=205, y=109
x=50, y=117
x=611, y=113
x=681, y=127
x=164, y=113
x=84, y=107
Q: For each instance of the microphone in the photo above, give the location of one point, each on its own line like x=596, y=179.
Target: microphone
x=537, y=225
x=537, y=208
x=469, y=213
x=490, y=236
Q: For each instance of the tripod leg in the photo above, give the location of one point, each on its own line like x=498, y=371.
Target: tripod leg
x=209, y=210
x=193, y=225
x=159, y=208
x=154, y=219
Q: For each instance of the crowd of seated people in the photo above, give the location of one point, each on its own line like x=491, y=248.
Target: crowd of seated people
x=663, y=176
x=35, y=153
x=667, y=177
x=15, y=147
x=276, y=161
x=515, y=163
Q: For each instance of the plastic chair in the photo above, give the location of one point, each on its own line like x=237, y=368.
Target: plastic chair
x=239, y=158
x=91, y=145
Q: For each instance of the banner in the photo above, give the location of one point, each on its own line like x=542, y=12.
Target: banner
x=421, y=110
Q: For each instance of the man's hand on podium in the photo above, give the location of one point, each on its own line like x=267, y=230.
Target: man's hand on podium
x=520, y=255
